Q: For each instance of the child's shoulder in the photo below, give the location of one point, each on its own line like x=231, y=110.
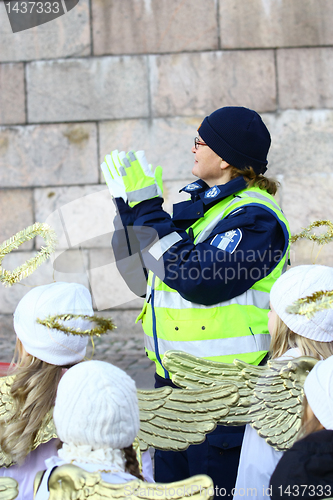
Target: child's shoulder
x=292, y=353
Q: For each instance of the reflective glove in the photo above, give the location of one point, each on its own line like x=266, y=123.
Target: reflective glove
x=111, y=171
x=140, y=182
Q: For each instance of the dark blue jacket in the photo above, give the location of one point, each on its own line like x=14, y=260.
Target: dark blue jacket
x=204, y=274
x=306, y=470
x=225, y=274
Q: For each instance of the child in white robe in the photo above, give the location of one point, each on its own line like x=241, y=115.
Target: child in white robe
x=292, y=336
x=41, y=358
x=96, y=415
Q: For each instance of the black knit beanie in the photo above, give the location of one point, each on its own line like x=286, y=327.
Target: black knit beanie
x=239, y=136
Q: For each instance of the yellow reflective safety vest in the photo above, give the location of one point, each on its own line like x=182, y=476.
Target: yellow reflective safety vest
x=236, y=328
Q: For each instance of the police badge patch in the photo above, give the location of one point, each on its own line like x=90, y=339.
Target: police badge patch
x=228, y=241
x=192, y=187
x=212, y=192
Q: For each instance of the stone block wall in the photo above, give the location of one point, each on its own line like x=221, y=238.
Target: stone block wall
x=142, y=74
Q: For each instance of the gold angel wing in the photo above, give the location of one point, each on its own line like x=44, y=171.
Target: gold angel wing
x=8, y=488
x=6, y=402
x=46, y=432
x=37, y=481
x=6, y=412
x=69, y=482
x=270, y=396
x=172, y=419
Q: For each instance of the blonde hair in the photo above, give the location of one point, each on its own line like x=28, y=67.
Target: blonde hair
x=308, y=425
x=283, y=339
x=255, y=180
x=33, y=392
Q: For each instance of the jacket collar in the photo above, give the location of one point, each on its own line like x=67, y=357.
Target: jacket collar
x=202, y=196
x=199, y=189
x=195, y=187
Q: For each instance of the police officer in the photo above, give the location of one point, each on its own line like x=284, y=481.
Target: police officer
x=210, y=266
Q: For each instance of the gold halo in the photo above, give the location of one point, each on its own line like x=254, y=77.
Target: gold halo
x=321, y=239
x=103, y=324
x=8, y=278
x=308, y=306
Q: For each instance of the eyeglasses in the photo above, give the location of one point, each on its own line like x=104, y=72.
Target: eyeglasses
x=198, y=143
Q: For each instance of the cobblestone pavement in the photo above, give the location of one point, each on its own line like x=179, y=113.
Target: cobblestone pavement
x=123, y=347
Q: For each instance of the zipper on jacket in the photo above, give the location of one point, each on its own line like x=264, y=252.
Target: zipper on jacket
x=158, y=357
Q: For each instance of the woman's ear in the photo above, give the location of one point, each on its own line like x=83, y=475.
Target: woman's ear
x=224, y=164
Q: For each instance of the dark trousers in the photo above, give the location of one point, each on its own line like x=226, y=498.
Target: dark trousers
x=217, y=456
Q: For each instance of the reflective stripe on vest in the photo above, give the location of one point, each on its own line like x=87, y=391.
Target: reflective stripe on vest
x=209, y=331
x=204, y=234
x=161, y=246
x=172, y=300
x=229, y=346
x=259, y=196
x=164, y=244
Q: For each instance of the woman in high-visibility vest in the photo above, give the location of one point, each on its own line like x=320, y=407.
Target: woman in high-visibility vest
x=28, y=392
x=210, y=266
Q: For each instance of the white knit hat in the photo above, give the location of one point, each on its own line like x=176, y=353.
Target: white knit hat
x=299, y=282
x=97, y=405
x=53, y=346
x=318, y=388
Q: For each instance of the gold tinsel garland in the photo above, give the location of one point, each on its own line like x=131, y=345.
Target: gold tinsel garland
x=321, y=239
x=308, y=306
x=103, y=324
x=8, y=278
x=318, y=301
